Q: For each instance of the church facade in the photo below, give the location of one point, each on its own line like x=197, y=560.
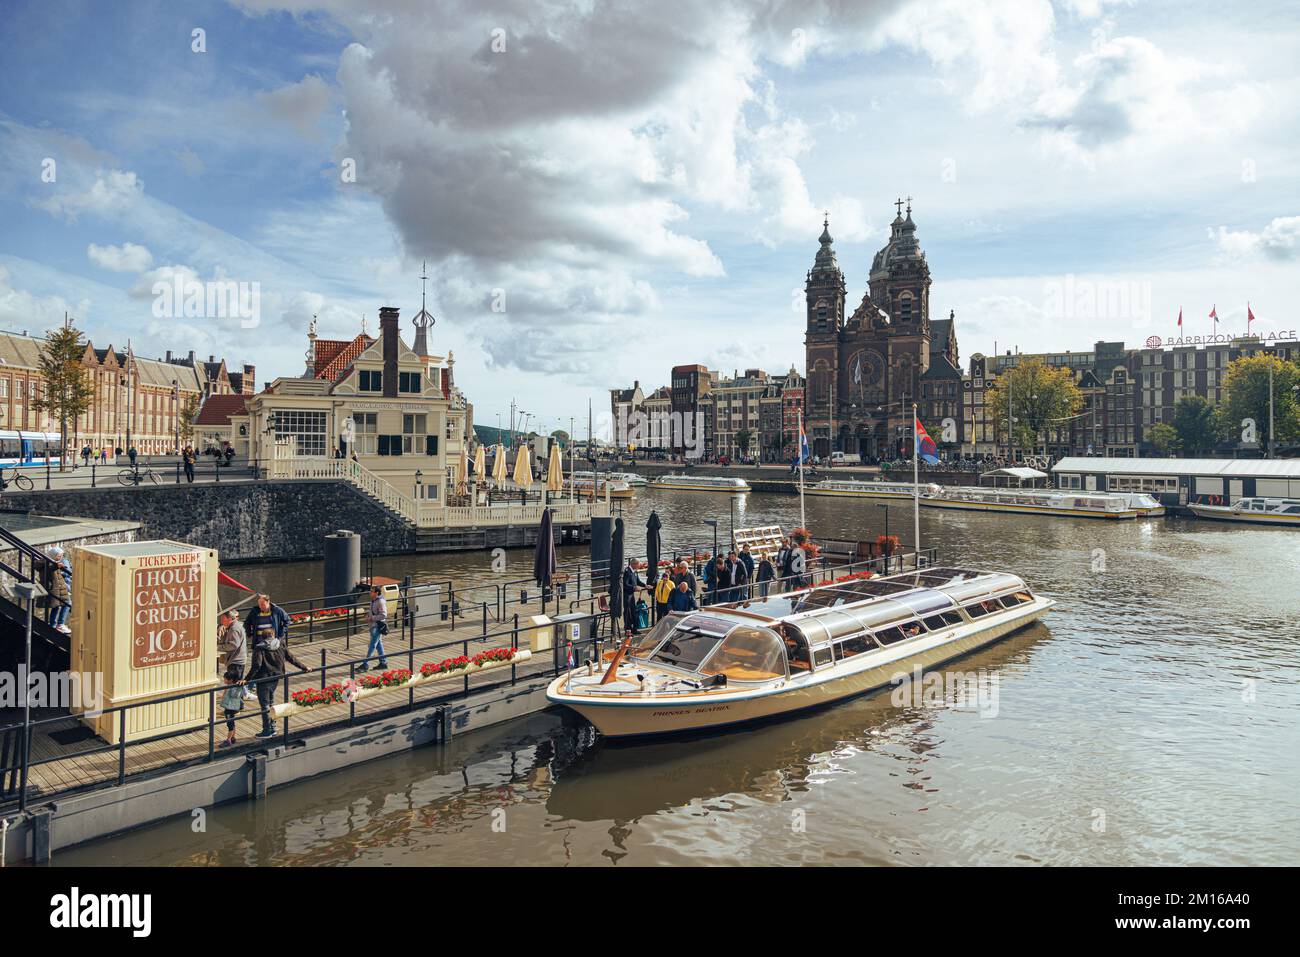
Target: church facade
x=865, y=369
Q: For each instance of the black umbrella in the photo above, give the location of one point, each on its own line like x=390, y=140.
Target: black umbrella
x=544, y=561
x=616, y=574
x=652, y=527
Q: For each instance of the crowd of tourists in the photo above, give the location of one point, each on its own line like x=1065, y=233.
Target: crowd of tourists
x=738, y=575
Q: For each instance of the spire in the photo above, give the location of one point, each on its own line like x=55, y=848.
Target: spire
x=825, y=265
x=825, y=238
x=423, y=320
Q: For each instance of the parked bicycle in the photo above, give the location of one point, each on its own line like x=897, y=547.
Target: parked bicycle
x=19, y=479
x=138, y=477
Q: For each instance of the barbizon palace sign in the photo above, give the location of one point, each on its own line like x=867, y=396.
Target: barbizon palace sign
x=165, y=609
x=1156, y=342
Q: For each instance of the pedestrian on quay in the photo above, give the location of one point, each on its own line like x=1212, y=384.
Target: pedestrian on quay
x=232, y=642
x=631, y=582
x=739, y=579
x=103, y=455
x=663, y=592
x=747, y=559
x=188, y=458
x=230, y=454
x=784, y=556
x=60, y=590
x=763, y=577
x=85, y=455
x=798, y=565
x=682, y=598
x=131, y=454
x=377, y=618
x=683, y=573
x=268, y=624
x=232, y=702
x=711, y=580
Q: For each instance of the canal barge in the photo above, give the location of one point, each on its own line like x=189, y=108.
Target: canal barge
x=702, y=483
x=1255, y=511
x=746, y=661
x=1055, y=502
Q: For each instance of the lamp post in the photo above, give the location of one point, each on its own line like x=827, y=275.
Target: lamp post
x=176, y=411
x=886, y=508
x=714, y=523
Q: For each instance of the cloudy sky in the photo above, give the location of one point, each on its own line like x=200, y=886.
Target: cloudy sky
x=602, y=190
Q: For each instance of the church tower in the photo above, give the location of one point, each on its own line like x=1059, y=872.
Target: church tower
x=824, y=293
x=900, y=277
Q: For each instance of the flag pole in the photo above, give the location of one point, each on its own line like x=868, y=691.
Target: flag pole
x=803, y=523
x=916, y=485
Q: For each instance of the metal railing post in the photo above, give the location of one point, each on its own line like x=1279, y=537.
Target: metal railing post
x=322, y=669
x=121, y=747
x=212, y=724
x=514, y=643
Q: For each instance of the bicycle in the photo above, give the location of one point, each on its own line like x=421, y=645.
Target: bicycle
x=138, y=477
x=19, y=479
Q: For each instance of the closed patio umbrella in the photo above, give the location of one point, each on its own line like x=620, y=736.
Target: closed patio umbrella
x=652, y=527
x=499, y=473
x=544, y=560
x=480, y=464
x=616, y=576
x=555, y=470
x=462, y=470
x=523, y=468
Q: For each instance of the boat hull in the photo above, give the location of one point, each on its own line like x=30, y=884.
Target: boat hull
x=702, y=488
x=644, y=717
x=837, y=493
x=1221, y=513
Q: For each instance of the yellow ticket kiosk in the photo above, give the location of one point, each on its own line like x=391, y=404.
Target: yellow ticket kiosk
x=144, y=619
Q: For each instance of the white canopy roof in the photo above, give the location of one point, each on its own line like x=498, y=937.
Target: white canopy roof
x=1017, y=472
x=1235, y=468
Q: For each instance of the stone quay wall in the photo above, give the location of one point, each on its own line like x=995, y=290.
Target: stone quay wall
x=244, y=521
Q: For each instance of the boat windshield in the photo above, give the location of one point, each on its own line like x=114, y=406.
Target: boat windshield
x=645, y=644
x=748, y=654
x=691, y=641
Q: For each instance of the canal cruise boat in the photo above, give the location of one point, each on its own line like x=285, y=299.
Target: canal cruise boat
x=746, y=661
x=630, y=479
x=848, y=488
x=585, y=487
x=702, y=483
x=1256, y=510
x=1061, y=503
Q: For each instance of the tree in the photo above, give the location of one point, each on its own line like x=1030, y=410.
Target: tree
x=69, y=390
x=742, y=441
x=1195, y=424
x=1163, y=437
x=189, y=413
x=1042, y=398
x=1246, y=393
x=562, y=437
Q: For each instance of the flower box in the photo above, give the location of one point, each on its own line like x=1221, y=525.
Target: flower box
x=314, y=699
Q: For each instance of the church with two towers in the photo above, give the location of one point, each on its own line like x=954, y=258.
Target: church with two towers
x=866, y=369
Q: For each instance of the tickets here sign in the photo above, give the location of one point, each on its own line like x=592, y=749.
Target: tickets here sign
x=166, y=609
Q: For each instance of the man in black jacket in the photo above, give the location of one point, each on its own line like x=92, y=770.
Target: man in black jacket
x=267, y=628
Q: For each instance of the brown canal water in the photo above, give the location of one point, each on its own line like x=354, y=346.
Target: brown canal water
x=1152, y=718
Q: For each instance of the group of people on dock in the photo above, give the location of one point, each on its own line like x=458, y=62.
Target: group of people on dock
x=736, y=576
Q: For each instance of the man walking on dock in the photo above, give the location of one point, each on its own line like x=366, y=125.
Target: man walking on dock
x=377, y=618
x=269, y=627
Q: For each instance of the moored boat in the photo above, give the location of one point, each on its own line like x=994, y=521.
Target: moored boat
x=701, y=483
x=630, y=479
x=583, y=488
x=1256, y=510
x=746, y=661
x=847, y=488
x=1055, y=502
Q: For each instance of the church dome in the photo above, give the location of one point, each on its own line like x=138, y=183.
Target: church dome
x=902, y=248
x=825, y=265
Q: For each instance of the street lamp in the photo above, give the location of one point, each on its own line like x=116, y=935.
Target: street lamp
x=419, y=483
x=714, y=523
x=886, y=508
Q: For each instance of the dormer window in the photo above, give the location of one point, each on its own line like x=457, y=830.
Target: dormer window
x=369, y=381
x=408, y=382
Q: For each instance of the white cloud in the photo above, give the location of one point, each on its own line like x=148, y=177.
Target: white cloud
x=299, y=104
x=125, y=258
x=111, y=192
x=1279, y=241
x=21, y=310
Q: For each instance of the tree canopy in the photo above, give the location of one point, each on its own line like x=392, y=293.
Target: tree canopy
x=1042, y=398
x=69, y=389
x=1246, y=393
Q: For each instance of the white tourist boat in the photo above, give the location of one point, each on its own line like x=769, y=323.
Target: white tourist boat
x=1061, y=503
x=1256, y=510
x=746, y=661
x=582, y=487
x=701, y=483
x=846, y=488
x=631, y=479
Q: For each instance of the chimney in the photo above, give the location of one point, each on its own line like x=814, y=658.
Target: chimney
x=191, y=357
x=169, y=355
x=388, y=332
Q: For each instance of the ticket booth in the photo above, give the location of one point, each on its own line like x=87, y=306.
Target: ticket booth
x=144, y=620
